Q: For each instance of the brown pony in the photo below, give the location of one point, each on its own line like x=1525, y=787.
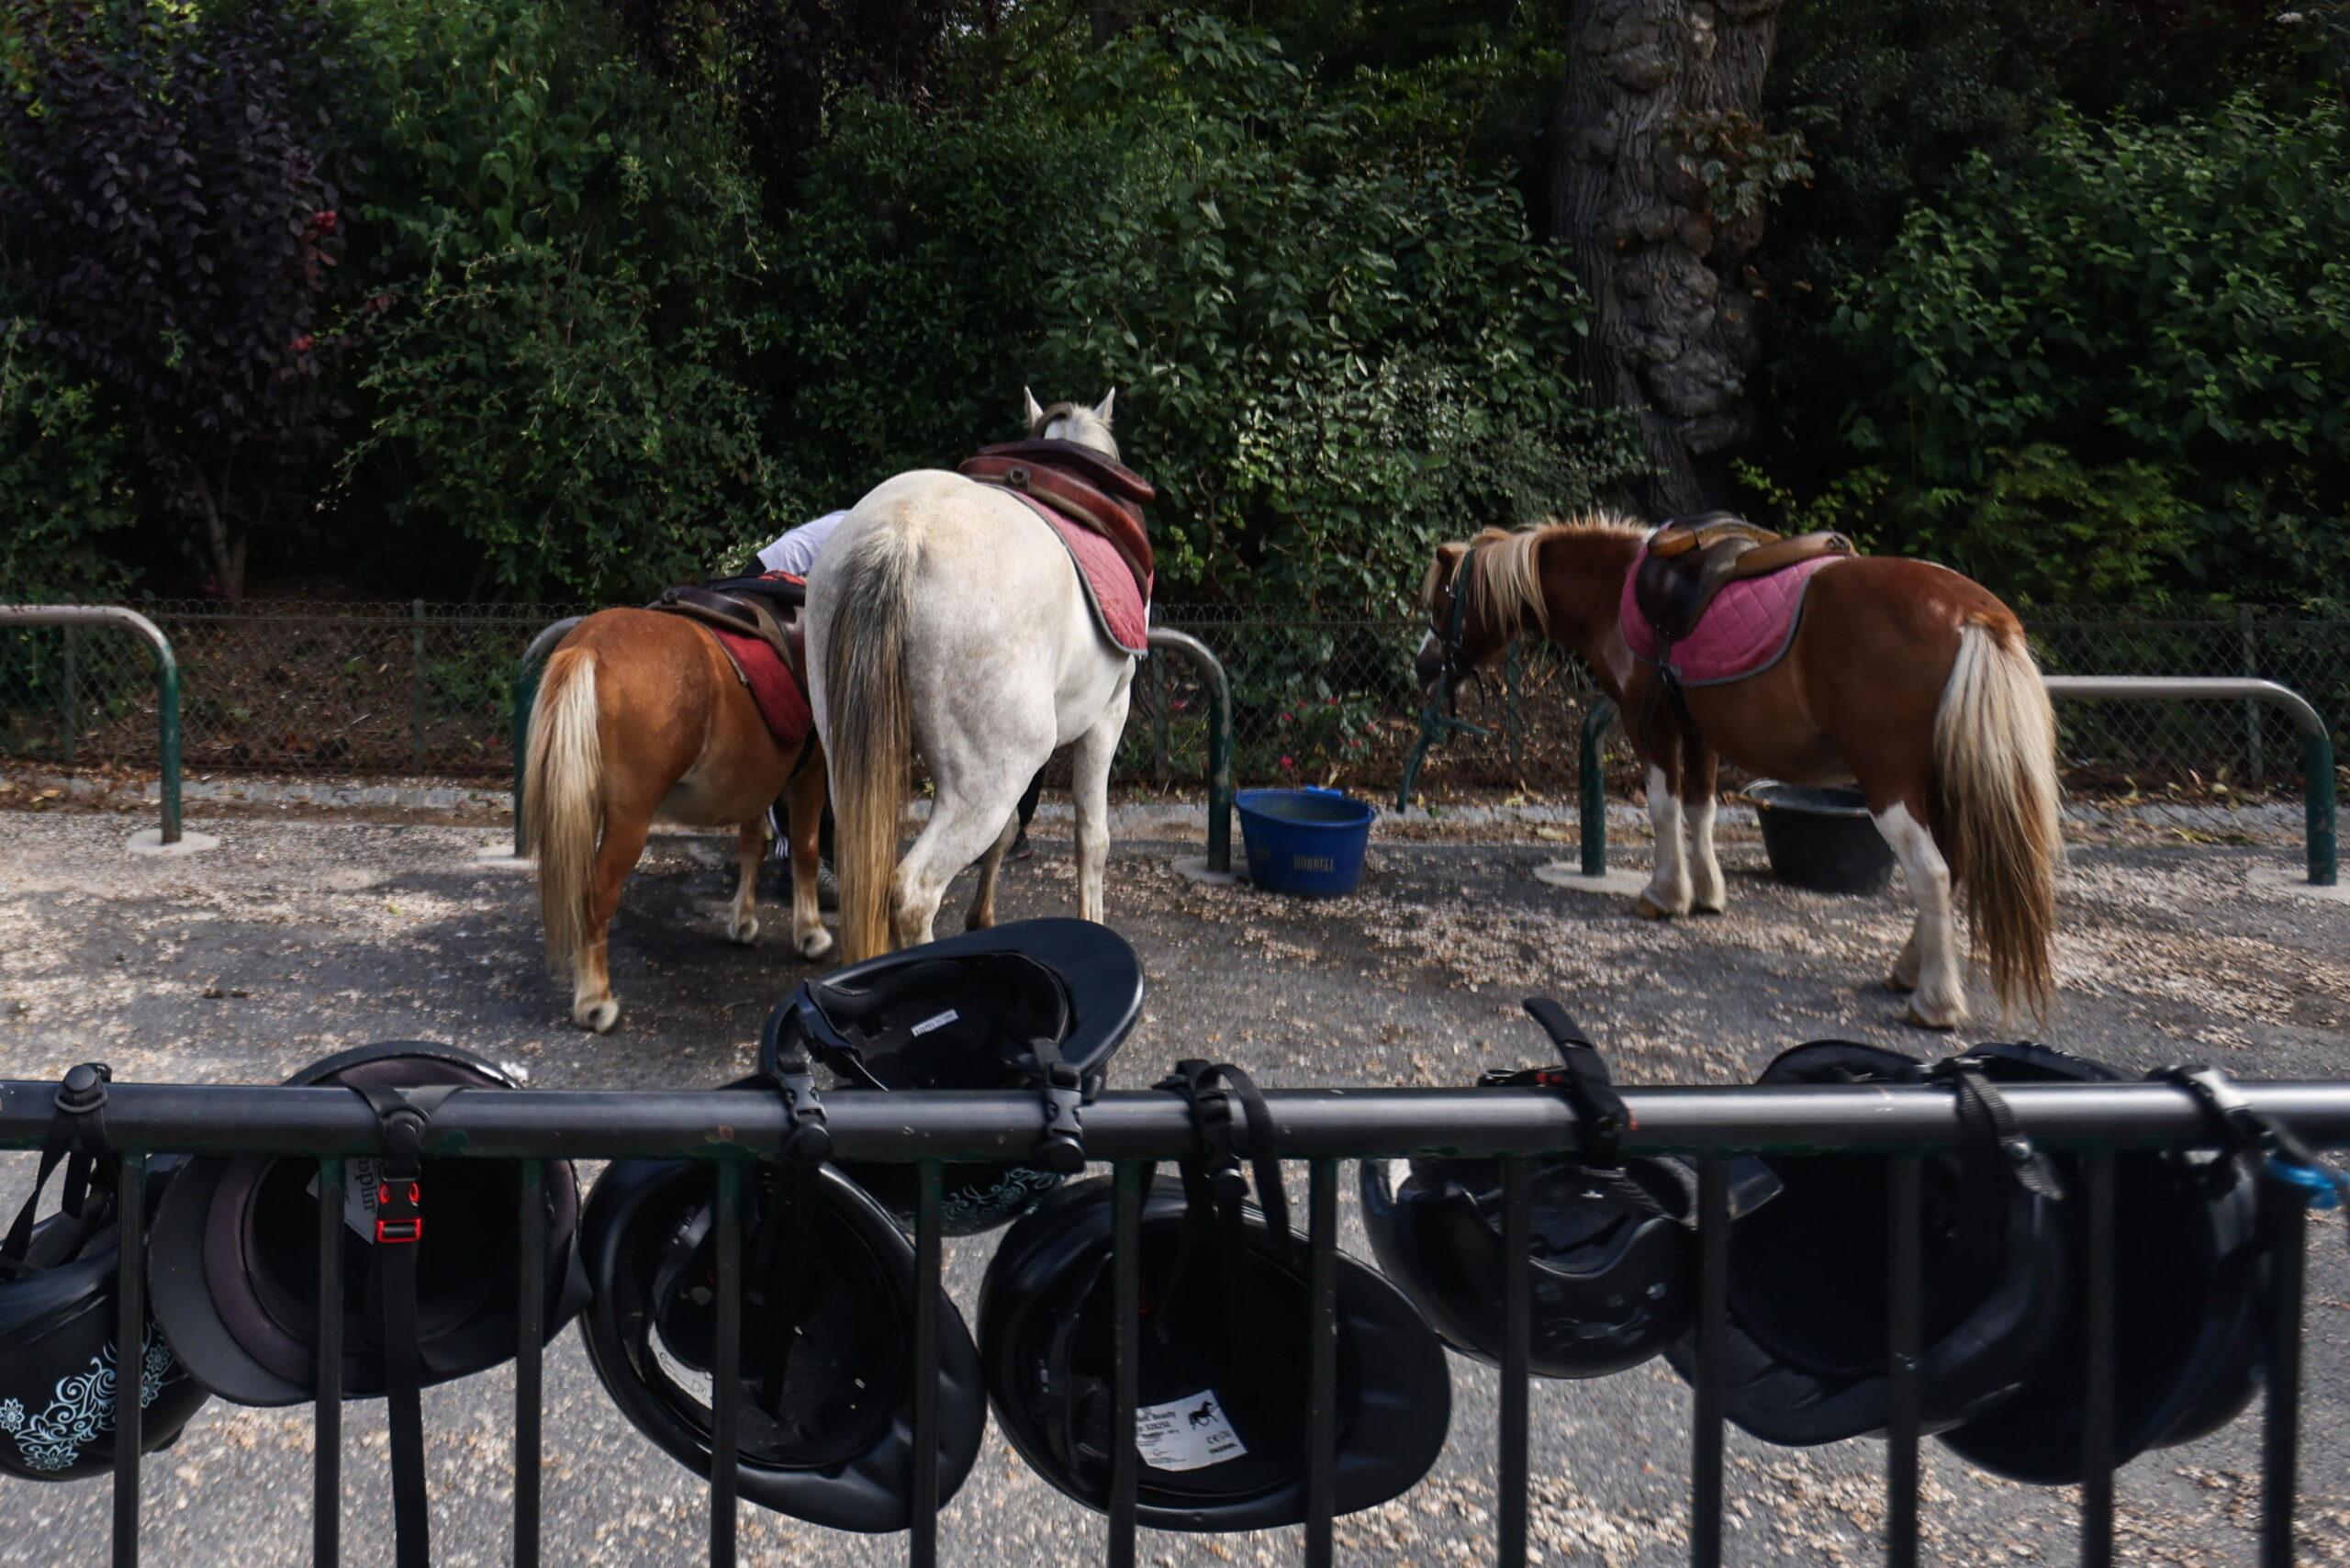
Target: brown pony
x=1903, y=678
x=641, y=715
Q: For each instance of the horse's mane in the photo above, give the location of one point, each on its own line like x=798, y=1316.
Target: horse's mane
x=1504, y=578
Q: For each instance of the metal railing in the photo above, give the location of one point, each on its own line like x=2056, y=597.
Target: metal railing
x=1163, y=641
x=1321, y=1127
x=2319, y=807
x=167, y=683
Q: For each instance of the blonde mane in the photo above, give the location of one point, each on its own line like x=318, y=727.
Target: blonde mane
x=1504, y=567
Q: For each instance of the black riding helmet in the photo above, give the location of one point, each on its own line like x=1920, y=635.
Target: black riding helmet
x=828, y=1384
x=2190, y=1291
x=1806, y=1357
x=430, y=1267
x=234, y=1255
x=1222, y=1352
x=60, y=1366
x=1036, y=1004
x=1614, y=1265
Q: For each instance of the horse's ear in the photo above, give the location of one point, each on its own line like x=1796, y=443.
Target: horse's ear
x=1031, y=416
x=1440, y=572
x=1101, y=409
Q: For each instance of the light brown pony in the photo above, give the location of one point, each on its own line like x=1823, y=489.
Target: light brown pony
x=1904, y=678
x=640, y=715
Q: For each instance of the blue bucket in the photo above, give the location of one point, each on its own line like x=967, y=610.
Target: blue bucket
x=1307, y=841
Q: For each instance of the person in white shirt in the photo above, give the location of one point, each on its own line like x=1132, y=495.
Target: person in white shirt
x=797, y=550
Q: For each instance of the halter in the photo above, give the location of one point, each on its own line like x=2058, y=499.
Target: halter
x=1441, y=716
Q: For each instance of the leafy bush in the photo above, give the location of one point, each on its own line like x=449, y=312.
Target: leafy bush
x=1330, y=354
x=2158, y=316
x=562, y=395
x=65, y=479
x=170, y=222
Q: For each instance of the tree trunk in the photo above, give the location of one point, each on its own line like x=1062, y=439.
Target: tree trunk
x=224, y=541
x=1673, y=334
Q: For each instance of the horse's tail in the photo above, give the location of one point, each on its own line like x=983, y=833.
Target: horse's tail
x=1995, y=765
x=870, y=738
x=562, y=800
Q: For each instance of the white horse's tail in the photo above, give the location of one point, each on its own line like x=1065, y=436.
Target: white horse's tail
x=1994, y=770
x=870, y=740
x=562, y=800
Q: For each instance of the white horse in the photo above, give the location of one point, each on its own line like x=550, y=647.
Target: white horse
x=945, y=620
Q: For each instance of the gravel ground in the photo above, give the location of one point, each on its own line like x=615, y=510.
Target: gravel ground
x=296, y=938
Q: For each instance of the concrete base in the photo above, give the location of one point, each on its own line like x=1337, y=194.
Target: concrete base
x=1569, y=874
x=502, y=855
x=1195, y=867
x=150, y=841
x=2295, y=883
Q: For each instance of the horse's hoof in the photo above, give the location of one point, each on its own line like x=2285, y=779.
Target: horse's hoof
x=1917, y=1020
x=1721, y=907
x=1648, y=909
x=816, y=944
x=599, y=1017
x=743, y=932
x=1898, y=986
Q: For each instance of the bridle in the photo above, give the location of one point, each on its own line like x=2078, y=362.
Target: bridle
x=1457, y=671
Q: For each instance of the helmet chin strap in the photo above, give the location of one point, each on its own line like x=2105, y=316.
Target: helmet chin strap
x=403, y=1115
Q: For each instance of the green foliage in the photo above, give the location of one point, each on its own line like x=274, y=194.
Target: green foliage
x=1329, y=354
x=65, y=484
x=2160, y=311
x=562, y=390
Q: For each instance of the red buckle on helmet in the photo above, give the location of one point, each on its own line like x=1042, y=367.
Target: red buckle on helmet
x=399, y=1217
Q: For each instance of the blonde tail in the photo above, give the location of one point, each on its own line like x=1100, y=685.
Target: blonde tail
x=563, y=801
x=871, y=733
x=1995, y=765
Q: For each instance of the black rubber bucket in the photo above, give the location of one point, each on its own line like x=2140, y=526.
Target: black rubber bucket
x=1821, y=838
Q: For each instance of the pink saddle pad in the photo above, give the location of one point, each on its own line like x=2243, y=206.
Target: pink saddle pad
x=1119, y=608
x=1744, y=632
x=781, y=702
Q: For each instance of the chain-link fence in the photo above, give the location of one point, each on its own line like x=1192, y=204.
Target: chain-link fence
x=378, y=688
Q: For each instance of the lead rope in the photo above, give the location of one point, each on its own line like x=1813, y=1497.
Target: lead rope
x=399, y=1232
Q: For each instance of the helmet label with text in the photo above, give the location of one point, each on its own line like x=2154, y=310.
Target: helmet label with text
x=1186, y=1434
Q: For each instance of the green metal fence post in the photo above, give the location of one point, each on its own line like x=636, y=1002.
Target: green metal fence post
x=69, y=702
x=416, y=685
x=1592, y=780
x=2318, y=806
x=1219, y=689
x=167, y=735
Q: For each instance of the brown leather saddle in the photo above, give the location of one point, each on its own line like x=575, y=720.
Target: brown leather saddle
x=1081, y=484
x=765, y=608
x=1690, y=560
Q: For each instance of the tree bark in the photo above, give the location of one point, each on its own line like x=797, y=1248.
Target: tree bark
x=1673, y=333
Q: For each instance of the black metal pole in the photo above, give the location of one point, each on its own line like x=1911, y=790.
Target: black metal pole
x=2285, y=1217
x=1322, y=1364
x=1713, y=1350
x=2097, y=1317
x=129, y=1354
x=1904, y=1291
x=922, y=1548
x=1517, y=1292
x=726, y=1366
x=1145, y=1124
x=1125, y=1341
x=326, y=1473
x=529, y=1311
